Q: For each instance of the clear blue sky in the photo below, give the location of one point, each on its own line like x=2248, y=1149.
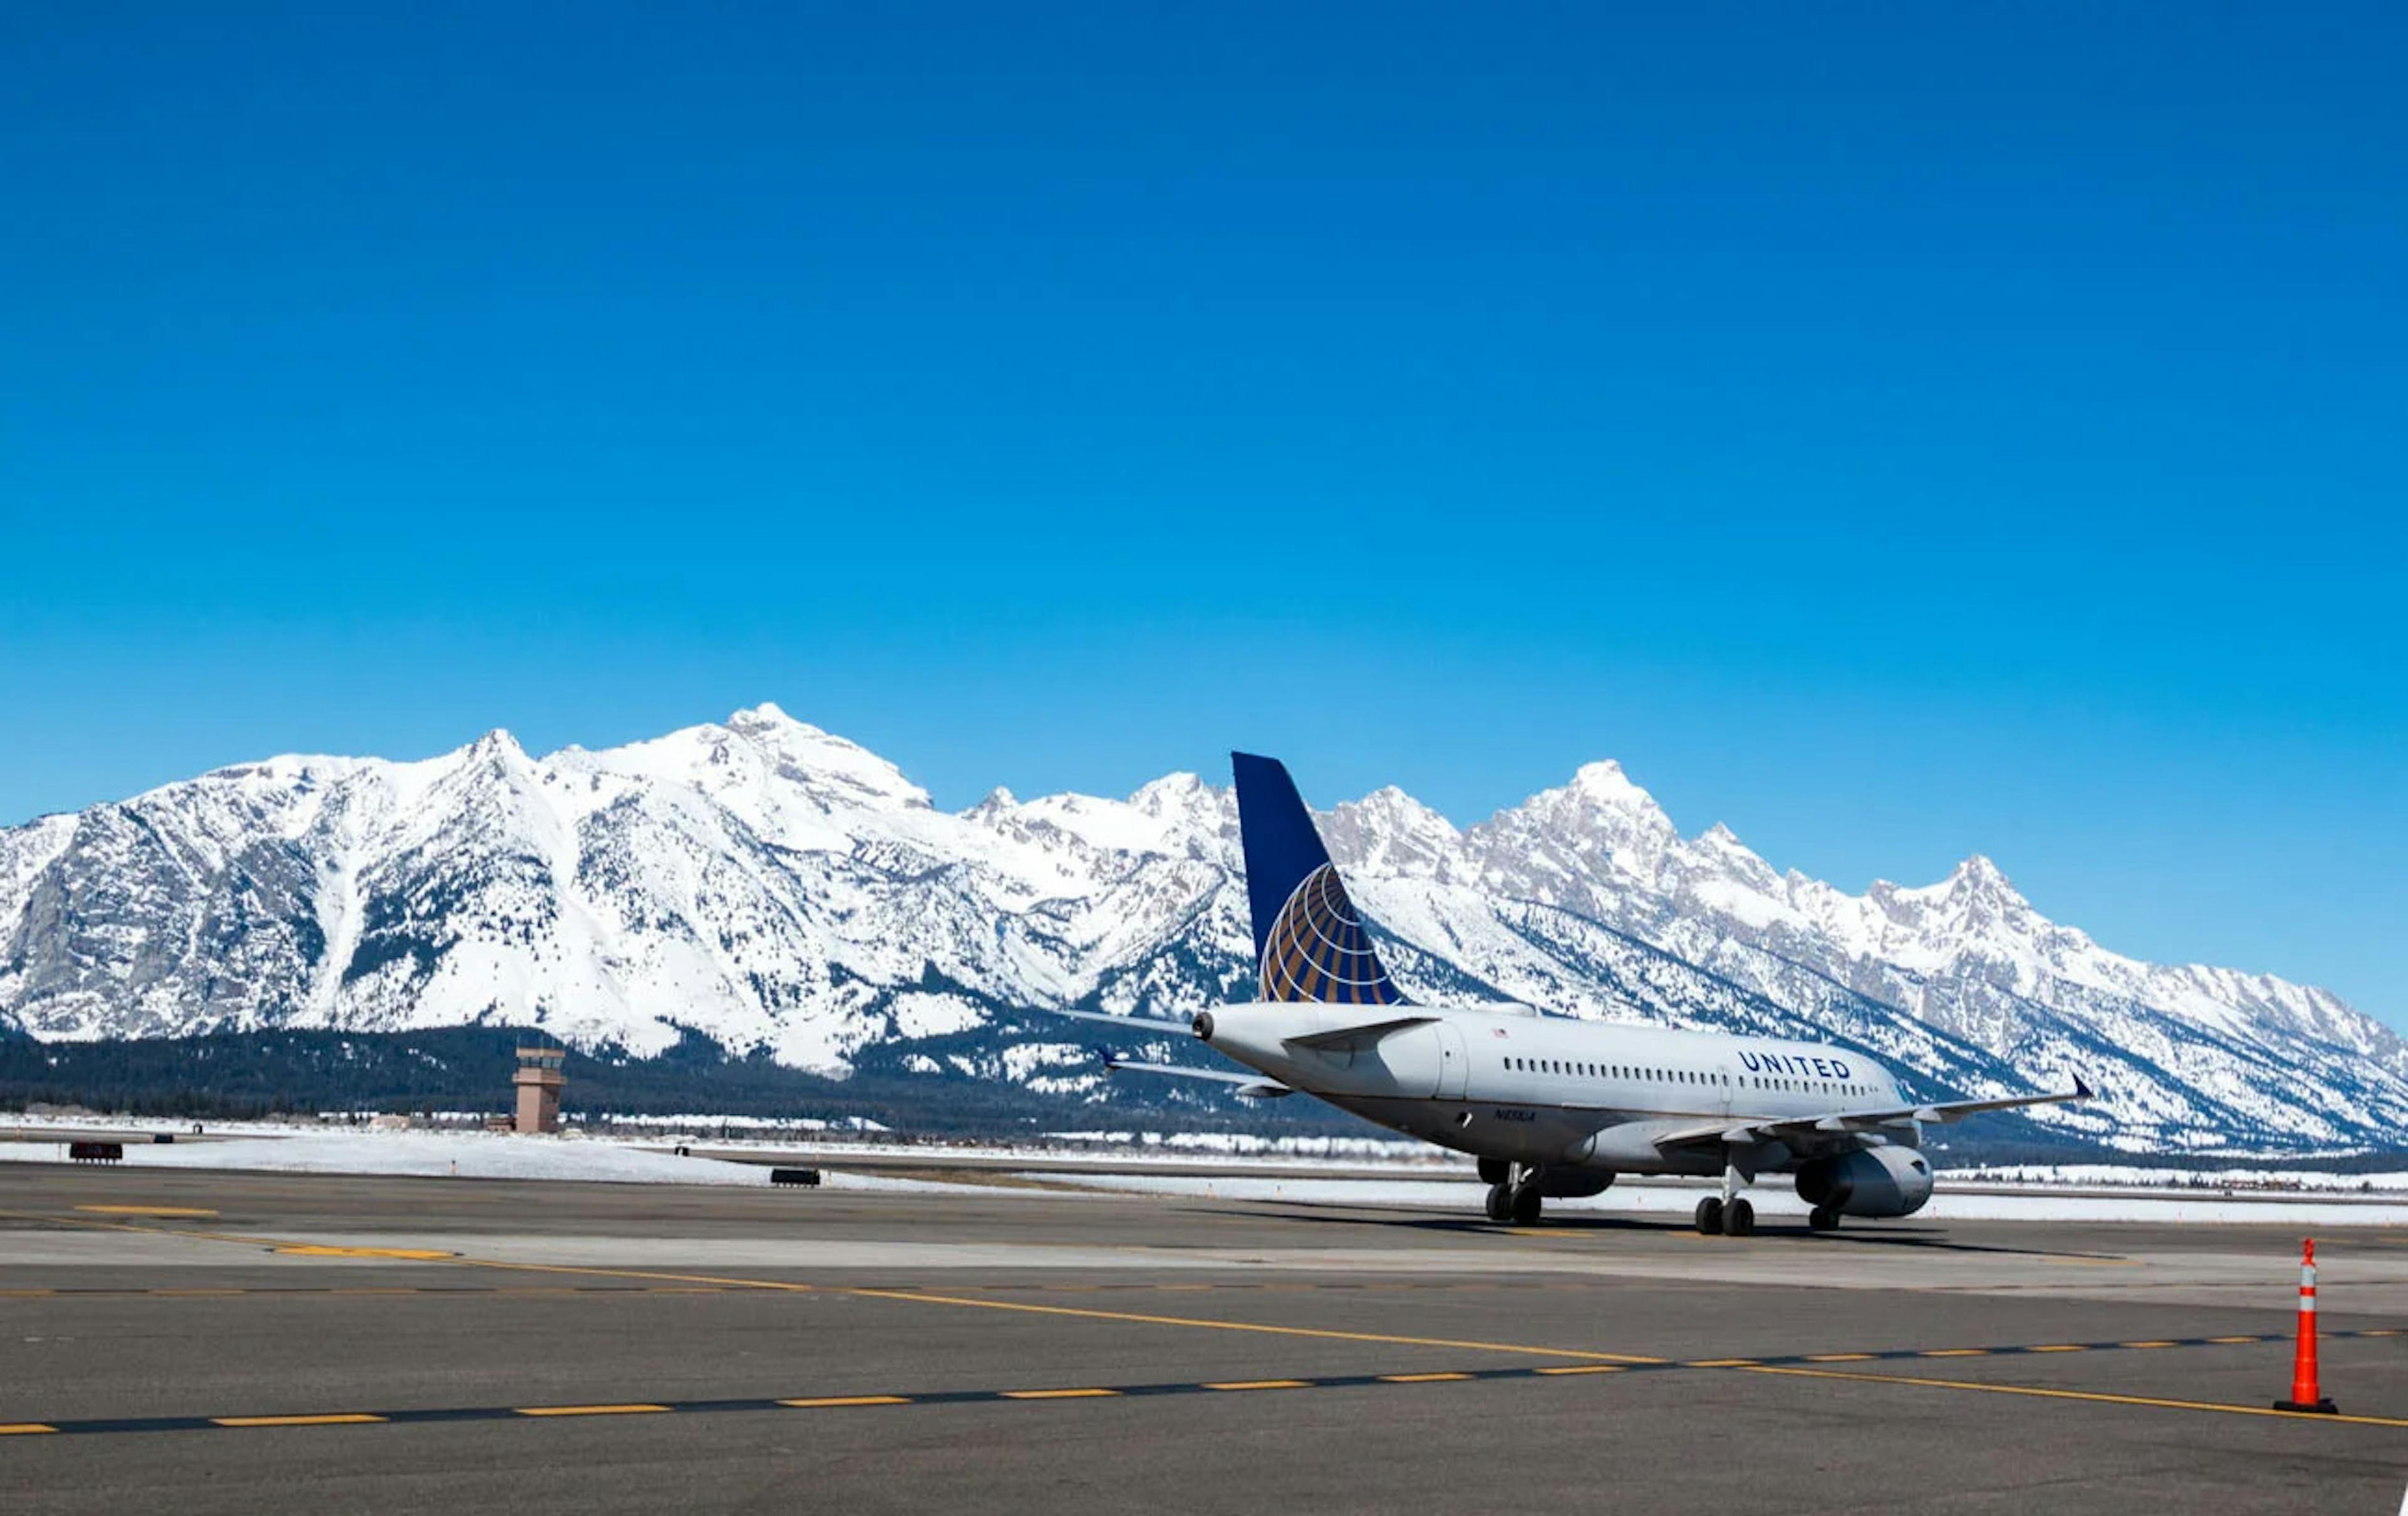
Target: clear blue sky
x=1896, y=431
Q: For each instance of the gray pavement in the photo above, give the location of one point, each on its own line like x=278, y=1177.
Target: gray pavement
x=1232, y=1356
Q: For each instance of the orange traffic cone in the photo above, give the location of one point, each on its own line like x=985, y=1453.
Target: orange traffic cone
x=2304, y=1395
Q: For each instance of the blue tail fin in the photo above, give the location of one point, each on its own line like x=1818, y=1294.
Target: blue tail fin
x=1309, y=942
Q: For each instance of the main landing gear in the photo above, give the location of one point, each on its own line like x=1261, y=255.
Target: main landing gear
x=1515, y=1198
x=1728, y=1214
x=1717, y=1217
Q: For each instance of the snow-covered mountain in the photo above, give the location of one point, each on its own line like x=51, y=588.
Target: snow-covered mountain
x=775, y=887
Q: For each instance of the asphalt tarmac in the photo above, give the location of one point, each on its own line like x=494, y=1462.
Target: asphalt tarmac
x=196, y=1341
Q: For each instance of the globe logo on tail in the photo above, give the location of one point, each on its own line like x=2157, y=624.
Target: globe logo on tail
x=1317, y=949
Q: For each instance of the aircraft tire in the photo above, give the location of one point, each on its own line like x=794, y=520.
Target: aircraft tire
x=1501, y=1205
x=1738, y=1218
x=1710, y=1217
x=1823, y=1218
x=1526, y=1205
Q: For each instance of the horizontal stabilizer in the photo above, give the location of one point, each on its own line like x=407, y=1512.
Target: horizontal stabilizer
x=1359, y=1036
x=1250, y=1086
x=1149, y=1023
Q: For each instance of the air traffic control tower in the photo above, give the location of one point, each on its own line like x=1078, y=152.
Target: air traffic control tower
x=539, y=1081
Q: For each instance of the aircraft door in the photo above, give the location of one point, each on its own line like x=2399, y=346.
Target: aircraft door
x=1453, y=1064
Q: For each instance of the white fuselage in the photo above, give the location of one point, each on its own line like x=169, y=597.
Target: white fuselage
x=1502, y=1082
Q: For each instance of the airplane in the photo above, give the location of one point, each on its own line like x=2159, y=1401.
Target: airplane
x=1552, y=1107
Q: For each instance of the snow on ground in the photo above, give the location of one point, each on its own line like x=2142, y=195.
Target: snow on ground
x=19, y=1121
x=2133, y=1176
x=468, y=1155
x=1105, y=1159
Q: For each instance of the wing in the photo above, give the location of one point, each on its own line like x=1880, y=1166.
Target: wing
x=1838, y=1125
x=1253, y=1086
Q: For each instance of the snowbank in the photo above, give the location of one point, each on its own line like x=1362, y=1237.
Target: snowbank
x=470, y=1155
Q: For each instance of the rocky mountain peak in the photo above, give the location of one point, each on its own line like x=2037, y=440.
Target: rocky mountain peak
x=1604, y=785
x=1179, y=790
x=1388, y=831
x=836, y=767
x=1978, y=875
x=766, y=714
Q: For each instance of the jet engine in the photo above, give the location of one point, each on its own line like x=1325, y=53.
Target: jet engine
x=1876, y=1181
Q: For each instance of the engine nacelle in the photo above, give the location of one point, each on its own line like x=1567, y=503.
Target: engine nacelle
x=1877, y=1181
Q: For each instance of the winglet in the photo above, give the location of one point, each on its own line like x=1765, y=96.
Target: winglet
x=2082, y=1089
